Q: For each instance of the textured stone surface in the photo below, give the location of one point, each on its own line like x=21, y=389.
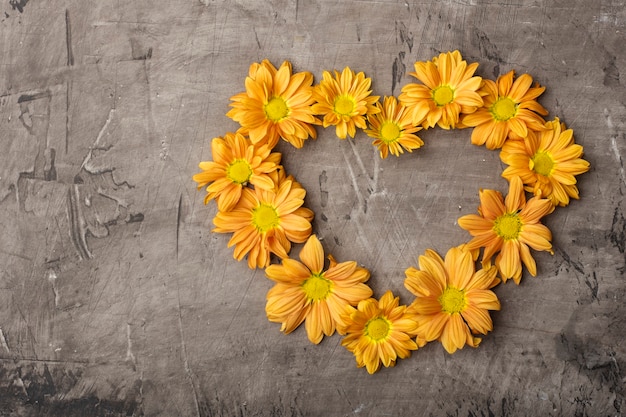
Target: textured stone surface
x=116, y=299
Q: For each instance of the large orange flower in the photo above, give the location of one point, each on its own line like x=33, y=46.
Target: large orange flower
x=509, y=227
x=453, y=300
x=448, y=89
x=275, y=104
x=509, y=107
x=236, y=162
x=266, y=221
x=547, y=162
x=305, y=291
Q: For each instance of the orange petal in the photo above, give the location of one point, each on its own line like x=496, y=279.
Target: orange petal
x=312, y=255
x=454, y=334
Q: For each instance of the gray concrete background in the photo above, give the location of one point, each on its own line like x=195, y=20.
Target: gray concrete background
x=117, y=300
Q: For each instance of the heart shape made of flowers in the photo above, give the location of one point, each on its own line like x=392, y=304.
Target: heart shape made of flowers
x=262, y=206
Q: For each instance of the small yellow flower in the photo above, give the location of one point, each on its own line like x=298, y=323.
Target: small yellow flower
x=236, y=162
x=275, y=104
x=379, y=332
x=344, y=101
x=448, y=90
x=508, y=227
x=393, y=129
x=509, y=107
x=452, y=298
x=305, y=291
x=266, y=221
x=547, y=162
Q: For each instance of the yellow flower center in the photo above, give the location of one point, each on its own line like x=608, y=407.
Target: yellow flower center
x=503, y=109
x=378, y=328
x=452, y=300
x=276, y=109
x=443, y=95
x=542, y=163
x=344, y=105
x=239, y=171
x=389, y=132
x=265, y=218
x=316, y=287
x=508, y=226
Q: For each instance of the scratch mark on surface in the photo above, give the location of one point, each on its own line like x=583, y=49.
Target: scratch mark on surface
x=130, y=356
x=234, y=315
x=68, y=38
x=406, y=37
x=32, y=97
x=323, y=193
x=28, y=119
x=568, y=260
x=256, y=36
x=355, y=185
x=297, y=7
x=118, y=200
x=77, y=227
x=178, y=218
x=398, y=69
x=32, y=340
x=617, y=234
x=68, y=94
x=52, y=279
x=618, y=157
x=614, y=148
x=487, y=49
x=68, y=84
x=3, y=341
x=183, y=347
x=53, y=361
x=96, y=144
x=361, y=165
x=592, y=283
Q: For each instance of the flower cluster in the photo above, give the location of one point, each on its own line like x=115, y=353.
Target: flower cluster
x=262, y=206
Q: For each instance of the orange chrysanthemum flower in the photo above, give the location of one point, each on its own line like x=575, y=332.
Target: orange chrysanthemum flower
x=448, y=89
x=547, y=163
x=509, y=107
x=452, y=298
x=393, y=129
x=379, y=332
x=305, y=291
x=344, y=101
x=509, y=227
x=266, y=221
x=275, y=104
x=236, y=162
